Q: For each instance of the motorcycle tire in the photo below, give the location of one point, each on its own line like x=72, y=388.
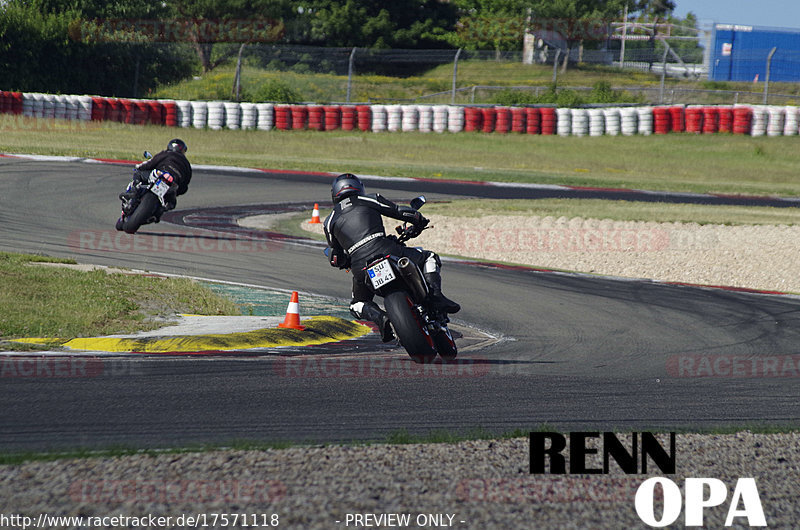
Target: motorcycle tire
x=147, y=208
x=445, y=345
x=408, y=327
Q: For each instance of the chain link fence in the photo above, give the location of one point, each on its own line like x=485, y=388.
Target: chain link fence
x=295, y=74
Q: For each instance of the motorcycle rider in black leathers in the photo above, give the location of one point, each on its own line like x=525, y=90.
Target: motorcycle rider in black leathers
x=173, y=161
x=355, y=234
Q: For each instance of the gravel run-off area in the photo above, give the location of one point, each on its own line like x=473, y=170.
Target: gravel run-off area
x=472, y=484
x=481, y=484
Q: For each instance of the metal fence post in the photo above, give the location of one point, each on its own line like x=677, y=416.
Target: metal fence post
x=237, y=78
x=350, y=74
x=663, y=72
x=766, y=78
x=455, y=75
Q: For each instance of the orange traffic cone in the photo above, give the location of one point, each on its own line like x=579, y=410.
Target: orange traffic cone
x=315, y=215
x=292, y=319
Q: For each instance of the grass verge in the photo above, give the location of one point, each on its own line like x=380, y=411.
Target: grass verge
x=57, y=302
x=678, y=162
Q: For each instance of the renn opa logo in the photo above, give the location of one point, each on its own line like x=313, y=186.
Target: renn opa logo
x=699, y=493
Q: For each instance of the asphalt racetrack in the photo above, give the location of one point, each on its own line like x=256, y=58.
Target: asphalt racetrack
x=574, y=352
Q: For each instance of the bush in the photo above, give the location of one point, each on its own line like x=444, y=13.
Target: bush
x=276, y=91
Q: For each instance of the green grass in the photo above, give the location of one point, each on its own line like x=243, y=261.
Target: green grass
x=677, y=162
x=42, y=301
x=323, y=88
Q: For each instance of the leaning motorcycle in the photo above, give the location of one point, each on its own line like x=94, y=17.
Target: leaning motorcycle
x=143, y=201
x=421, y=329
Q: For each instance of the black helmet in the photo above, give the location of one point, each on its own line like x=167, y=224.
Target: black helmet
x=346, y=185
x=177, y=145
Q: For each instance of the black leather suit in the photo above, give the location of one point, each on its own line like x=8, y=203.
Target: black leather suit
x=354, y=230
x=172, y=162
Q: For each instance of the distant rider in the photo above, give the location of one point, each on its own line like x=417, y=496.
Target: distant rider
x=355, y=234
x=173, y=162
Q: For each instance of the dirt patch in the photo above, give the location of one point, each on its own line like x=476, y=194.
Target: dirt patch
x=751, y=256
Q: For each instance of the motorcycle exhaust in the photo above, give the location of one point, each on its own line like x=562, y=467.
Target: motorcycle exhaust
x=413, y=278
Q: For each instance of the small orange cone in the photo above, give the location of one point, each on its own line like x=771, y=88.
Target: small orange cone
x=315, y=215
x=292, y=319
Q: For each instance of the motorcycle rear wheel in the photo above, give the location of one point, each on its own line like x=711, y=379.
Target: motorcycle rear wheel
x=147, y=208
x=408, y=327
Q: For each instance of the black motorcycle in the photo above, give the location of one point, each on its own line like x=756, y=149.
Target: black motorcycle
x=420, y=328
x=144, y=200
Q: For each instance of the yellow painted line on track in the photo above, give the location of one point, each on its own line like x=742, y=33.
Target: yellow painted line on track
x=319, y=330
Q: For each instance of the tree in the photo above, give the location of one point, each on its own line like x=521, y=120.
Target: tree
x=206, y=22
x=374, y=23
x=576, y=18
x=489, y=24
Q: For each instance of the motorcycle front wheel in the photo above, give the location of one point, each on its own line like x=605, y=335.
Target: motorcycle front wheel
x=147, y=208
x=409, y=328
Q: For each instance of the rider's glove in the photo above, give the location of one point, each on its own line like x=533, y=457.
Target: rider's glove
x=420, y=222
x=339, y=259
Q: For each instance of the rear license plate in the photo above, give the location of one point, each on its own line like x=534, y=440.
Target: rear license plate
x=381, y=273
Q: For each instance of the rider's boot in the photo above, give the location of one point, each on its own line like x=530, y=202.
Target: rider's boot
x=371, y=311
x=120, y=222
x=439, y=300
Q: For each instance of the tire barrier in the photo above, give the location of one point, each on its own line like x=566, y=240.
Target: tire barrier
x=533, y=120
x=333, y=117
x=249, y=116
x=473, y=119
x=580, y=122
x=502, y=120
x=299, y=117
x=662, y=120
x=710, y=120
x=725, y=119
x=694, y=119
x=488, y=119
x=518, y=120
x=266, y=116
x=316, y=117
x=364, y=117
x=775, y=120
x=410, y=119
x=348, y=117
x=199, y=114
x=644, y=117
x=439, y=118
x=742, y=120
x=233, y=115
x=677, y=117
x=563, y=122
x=754, y=120
x=629, y=121
x=425, y=118
x=378, y=120
x=791, y=124
x=184, y=113
x=759, y=124
x=455, y=119
x=394, y=118
x=613, y=121
x=548, y=120
x=283, y=117
x=597, y=122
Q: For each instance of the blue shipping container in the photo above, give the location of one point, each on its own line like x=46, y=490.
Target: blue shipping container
x=740, y=53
